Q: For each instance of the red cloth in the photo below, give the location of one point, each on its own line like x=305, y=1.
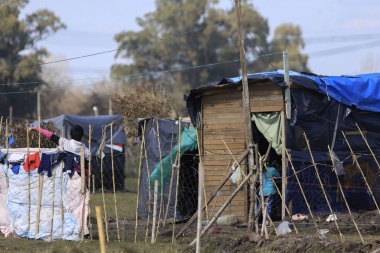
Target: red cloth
x=32, y=162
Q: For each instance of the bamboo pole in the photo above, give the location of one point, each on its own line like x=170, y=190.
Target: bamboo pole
x=139, y=179
x=200, y=209
x=40, y=186
x=263, y=226
x=161, y=179
x=344, y=197
x=149, y=191
x=178, y=171
x=226, y=203
x=7, y=148
x=153, y=240
x=114, y=186
x=301, y=188
x=102, y=181
x=52, y=209
x=99, y=215
x=83, y=189
x=362, y=173
x=203, y=182
x=89, y=178
x=369, y=147
x=61, y=192
x=27, y=144
x=323, y=188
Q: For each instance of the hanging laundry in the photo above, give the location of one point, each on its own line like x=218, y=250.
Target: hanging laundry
x=2, y=157
x=47, y=162
x=32, y=162
x=14, y=158
x=15, y=168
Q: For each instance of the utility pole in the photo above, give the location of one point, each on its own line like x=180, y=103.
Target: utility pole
x=247, y=115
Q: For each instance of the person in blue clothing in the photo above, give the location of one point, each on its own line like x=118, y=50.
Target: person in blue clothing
x=269, y=188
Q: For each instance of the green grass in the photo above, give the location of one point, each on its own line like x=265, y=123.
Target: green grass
x=125, y=201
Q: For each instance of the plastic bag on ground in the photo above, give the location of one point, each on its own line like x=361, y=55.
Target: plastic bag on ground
x=283, y=228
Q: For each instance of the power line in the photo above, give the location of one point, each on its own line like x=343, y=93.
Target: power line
x=130, y=76
x=341, y=38
x=221, y=22
x=341, y=50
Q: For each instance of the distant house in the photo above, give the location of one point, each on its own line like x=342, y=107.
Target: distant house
x=321, y=108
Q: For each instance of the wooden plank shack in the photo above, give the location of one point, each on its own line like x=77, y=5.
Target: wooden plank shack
x=223, y=120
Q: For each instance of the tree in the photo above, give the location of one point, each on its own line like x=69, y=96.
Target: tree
x=20, y=56
x=183, y=34
x=289, y=37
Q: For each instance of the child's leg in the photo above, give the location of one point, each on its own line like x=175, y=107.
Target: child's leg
x=269, y=206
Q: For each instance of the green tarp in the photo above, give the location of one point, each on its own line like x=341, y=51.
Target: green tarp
x=188, y=143
x=269, y=124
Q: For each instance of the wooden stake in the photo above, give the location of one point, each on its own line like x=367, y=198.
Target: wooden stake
x=301, y=188
x=177, y=183
x=323, y=188
x=89, y=178
x=149, y=191
x=99, y=221
x=83, y=188
x=362, y=173
x=102, y=181
x=153, y=240
x=27, y=143
x=40, y=186
x=162, y=179
x=344, y=197
x=139, y=179
x=200, y=209
x=114, y=186
x=52, y=209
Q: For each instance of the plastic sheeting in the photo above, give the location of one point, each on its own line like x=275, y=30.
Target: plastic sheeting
x=60, y=208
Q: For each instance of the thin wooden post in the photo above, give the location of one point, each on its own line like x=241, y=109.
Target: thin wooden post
x=284, y=164
x=83, y=188
x=99, y=220
x=162, y=203
x=89, y=178
x=323, y=188
x=200, y=209
x=270, y=219
x=246, y=106
x=139, y=179
x=149, y=191
x=362, y=173
x=114, y=185
x=178, y=171
x=28, y=144
x=344, y=197
x=155, y=194
x=52, y=208
x=102, y=180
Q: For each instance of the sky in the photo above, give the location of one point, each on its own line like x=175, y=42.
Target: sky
x=342, y=36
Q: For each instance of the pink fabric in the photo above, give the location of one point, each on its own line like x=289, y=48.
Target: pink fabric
x=44, y=132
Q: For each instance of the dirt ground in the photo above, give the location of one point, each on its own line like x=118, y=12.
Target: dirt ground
x=228, y=239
